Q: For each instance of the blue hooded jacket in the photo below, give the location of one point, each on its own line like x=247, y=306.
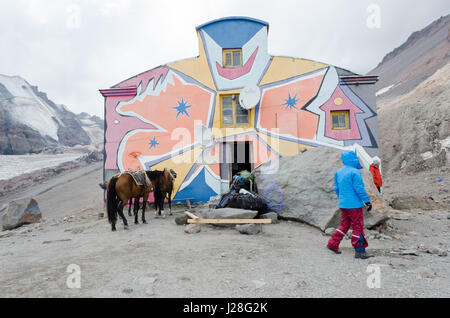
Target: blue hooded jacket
x=348, y=183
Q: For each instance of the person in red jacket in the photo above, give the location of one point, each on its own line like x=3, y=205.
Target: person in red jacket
x=376, y=175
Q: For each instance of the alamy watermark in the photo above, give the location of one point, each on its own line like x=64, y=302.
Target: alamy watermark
x=73, y=281
x=374, y=278
x=73, y=20
x=374, y=18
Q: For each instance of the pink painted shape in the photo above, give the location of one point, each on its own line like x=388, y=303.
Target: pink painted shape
x=115, y=132
x=233, y=73
x=159, y=74
x=341, y=134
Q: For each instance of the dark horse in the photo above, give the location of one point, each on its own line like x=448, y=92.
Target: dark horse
x=162, y=187
x=120, y=189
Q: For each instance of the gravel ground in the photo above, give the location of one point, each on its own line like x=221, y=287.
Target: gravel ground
x=160, y=260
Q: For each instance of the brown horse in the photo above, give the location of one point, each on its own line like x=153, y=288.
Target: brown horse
x=162, y=187
x=120, y=189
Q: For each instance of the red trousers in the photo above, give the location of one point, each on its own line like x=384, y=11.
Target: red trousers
x=350, y=218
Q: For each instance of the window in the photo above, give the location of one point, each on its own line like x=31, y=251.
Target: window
x=232, y=112
x=232, y=58
x=339, y=119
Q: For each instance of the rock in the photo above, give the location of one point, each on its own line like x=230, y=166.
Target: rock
x=409, y=252
x=181, y=219
x=127, y=290
x=384, y=237
x=371, y=219
x=150, y=291
x=329, y=231
x=250, y=229
x=258, y=283
x=436, y=251
x=20, y=212
x=231, y=213
x=301, y=188
x=399, y=215
x=147, y=280
x=271, y=215
x=424, y=272
x=417, y=202
x=192, y=228
x=5, y=234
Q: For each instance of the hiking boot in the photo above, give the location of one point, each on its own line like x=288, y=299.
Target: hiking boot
x=333, y=250
x=363, y=255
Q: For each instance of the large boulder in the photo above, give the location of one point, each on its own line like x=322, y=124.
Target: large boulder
x=21, y=212
x=302, y=188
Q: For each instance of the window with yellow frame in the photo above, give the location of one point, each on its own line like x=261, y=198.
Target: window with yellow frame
x=340, y=119
x=232, y=112
x=232, y=58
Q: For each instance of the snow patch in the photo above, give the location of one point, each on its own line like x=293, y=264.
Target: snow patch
x=15, y=165
x=384, y=90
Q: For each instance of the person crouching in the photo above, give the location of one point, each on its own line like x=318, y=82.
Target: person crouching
x=349, y=187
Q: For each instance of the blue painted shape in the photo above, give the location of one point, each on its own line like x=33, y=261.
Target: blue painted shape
x=197, y=189
x=182, y=107
x=153, y=143
x=233, y=32
x=291, y=102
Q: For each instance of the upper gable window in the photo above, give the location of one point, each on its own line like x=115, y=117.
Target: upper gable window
x=340, y=119
x=232, y=58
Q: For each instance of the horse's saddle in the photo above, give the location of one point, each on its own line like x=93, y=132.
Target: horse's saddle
x=140, y=177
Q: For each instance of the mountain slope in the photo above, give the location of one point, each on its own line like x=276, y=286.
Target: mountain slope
x=31, y=123
x=413, y=102
x=423, y=53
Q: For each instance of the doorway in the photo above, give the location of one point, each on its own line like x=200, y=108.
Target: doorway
x=235, y=156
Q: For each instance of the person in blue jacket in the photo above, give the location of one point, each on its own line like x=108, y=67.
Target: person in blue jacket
x=349, y=187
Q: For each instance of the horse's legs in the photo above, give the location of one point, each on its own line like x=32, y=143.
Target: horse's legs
x=120, y=208
x=170, y=203
x=161, y=208
x=129, y=206
x=136, y=210
x=144, y=203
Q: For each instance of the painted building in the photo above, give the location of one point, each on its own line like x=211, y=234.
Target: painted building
x=233, y=107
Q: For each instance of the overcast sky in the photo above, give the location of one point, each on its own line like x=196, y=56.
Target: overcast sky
x=71, y=48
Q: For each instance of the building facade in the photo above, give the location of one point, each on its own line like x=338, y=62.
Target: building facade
x=233, y=107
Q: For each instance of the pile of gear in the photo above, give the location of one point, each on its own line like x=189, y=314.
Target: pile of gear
x=243, y=194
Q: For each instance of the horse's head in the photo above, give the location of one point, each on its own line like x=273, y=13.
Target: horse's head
x=171, y=173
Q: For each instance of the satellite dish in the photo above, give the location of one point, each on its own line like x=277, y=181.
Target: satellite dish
x=250, y=96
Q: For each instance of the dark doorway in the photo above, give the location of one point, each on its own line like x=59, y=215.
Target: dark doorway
x=236, y=156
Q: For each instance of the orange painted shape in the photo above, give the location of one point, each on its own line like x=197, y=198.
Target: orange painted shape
x=274, y=98
x=159, y=109
x=308, y=123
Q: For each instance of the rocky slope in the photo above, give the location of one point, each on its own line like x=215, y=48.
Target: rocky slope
x=423, y=53
x=413, y=102
x=30, y=122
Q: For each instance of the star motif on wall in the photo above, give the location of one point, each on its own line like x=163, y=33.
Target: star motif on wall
x=291, y=102
x=182, y=107
x=153, y=143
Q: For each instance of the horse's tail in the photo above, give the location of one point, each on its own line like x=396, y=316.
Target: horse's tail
x=111, y=200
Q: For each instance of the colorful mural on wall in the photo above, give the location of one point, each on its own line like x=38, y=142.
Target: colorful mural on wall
x=153, y=119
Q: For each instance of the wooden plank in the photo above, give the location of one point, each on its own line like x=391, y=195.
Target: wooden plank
x=192, y=216
x=229, y=221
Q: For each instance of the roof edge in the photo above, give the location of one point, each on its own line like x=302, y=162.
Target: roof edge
x=232, y=18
